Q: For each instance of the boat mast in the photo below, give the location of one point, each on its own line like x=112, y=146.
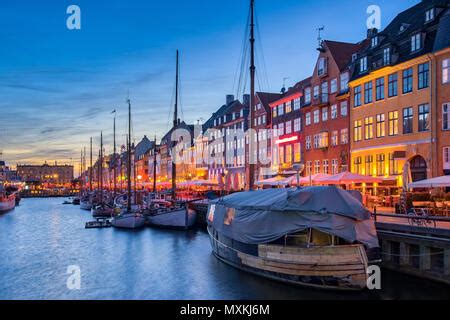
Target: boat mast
x=81, y=173
x=251, y=165
x=114, y=155
x=154, y=166
x=101, y=167
x=175, y=123
x=129, y=158
x=90, y=170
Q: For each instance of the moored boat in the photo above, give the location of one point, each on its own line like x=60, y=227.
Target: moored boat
x=102, y=210
x=172, y=218
x=133, y=219
x=316, y=236
x=7, y=200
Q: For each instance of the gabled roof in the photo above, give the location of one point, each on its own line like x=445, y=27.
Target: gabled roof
x=342, y=51
x=143, y=147
x=267, y=97
x=297, y=88
x=223, y=110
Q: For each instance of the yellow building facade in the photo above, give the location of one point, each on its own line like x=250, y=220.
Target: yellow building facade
x=390, y=121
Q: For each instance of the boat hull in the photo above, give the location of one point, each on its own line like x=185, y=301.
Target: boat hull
x=340, y=267
x=129, y=221
x=175, y=219
x=7, y=204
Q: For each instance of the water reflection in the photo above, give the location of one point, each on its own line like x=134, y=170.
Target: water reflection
x=42, y=237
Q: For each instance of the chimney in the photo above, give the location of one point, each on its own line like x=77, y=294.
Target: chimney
x=371, y=32
x=246, y=100
x=229, y=98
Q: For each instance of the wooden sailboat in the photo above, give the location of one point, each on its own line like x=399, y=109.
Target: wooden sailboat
x=86, y=200
x=131, y=217
x=177, y=216
x=101, y=209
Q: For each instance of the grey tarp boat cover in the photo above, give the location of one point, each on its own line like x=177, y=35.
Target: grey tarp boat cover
x=263, y=216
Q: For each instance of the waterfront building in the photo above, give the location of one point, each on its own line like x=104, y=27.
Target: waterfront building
x=7, y=174
x=286, y=128
x=262, y=123
x=141, y=160
x=325, y=111
x=395, y=95
x=225, y=133
x=46, y=173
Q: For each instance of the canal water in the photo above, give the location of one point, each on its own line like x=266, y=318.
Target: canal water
x=41, y=238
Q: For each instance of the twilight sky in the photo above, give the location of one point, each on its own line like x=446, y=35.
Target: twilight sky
x=59, y=86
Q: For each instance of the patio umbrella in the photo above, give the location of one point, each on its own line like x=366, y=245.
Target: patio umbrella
x=406, y=176
x=314, y=178
x=437, y=182
x=347, y=178
x=276, y=181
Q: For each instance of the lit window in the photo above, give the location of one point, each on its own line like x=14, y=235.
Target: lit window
x=368, y=128
x=381, y=128
x=288, y=106
x=416, y=42
x=393, y=123
x=357, y=130
x=363, y=65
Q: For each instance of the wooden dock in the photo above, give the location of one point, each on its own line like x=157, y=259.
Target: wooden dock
x=99, y=223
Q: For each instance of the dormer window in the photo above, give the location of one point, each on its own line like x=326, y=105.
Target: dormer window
x=322, y=67
x=387, y=56
x=374, y=41
x=363, y=65
x=403, y=27
x=416, y=42
x=354, y=57
x=429, y=15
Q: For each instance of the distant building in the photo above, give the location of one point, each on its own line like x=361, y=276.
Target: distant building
x=46, y=173
x=6, y=173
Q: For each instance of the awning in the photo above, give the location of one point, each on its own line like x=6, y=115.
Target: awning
x=437, y=182
x=276, y=181
x=348, y=178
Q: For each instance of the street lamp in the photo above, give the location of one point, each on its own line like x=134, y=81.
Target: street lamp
x=299, y=167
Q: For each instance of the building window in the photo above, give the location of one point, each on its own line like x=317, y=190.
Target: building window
x=416, y=42
x=322, y=67
x=334, y=166
x=344, y=82
x=274, y=112
x=325, y=166
x=446, y=157
x=316, y=92
x=334, y=138
x=316, y=166
x=296, y=103
x=387, y=56
x=297, y=124
x=307, y=95
x=297, y=152
x=424, y=117
x=429, y=15
x=344, y=109
x=369, y=164
x=363, y=65
x=368, y=128
x=393, y=123
x=316, y=141
x=281, y=129
x=357, y=94
x=446, y=116
x=288, y=106
x=280, y=109
x=368, y=94
x=333, y=86
x=381, y=125
x=374, y=41
x=316, y=116
x=407, y=120
x=422, y=76
x=334, y=111
x=308, y=118
x=275, y=130
x=446, y=70
x=324, y=113
x=393, y=165
x=392, y=85
x=357, y=165
x=288, y=127
x=357, y=130
x=324, y=92
x=379, y=89
x=380, y=164
x=407, y=80
x=344, y=136
x=308, y=167
x=308, y=143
